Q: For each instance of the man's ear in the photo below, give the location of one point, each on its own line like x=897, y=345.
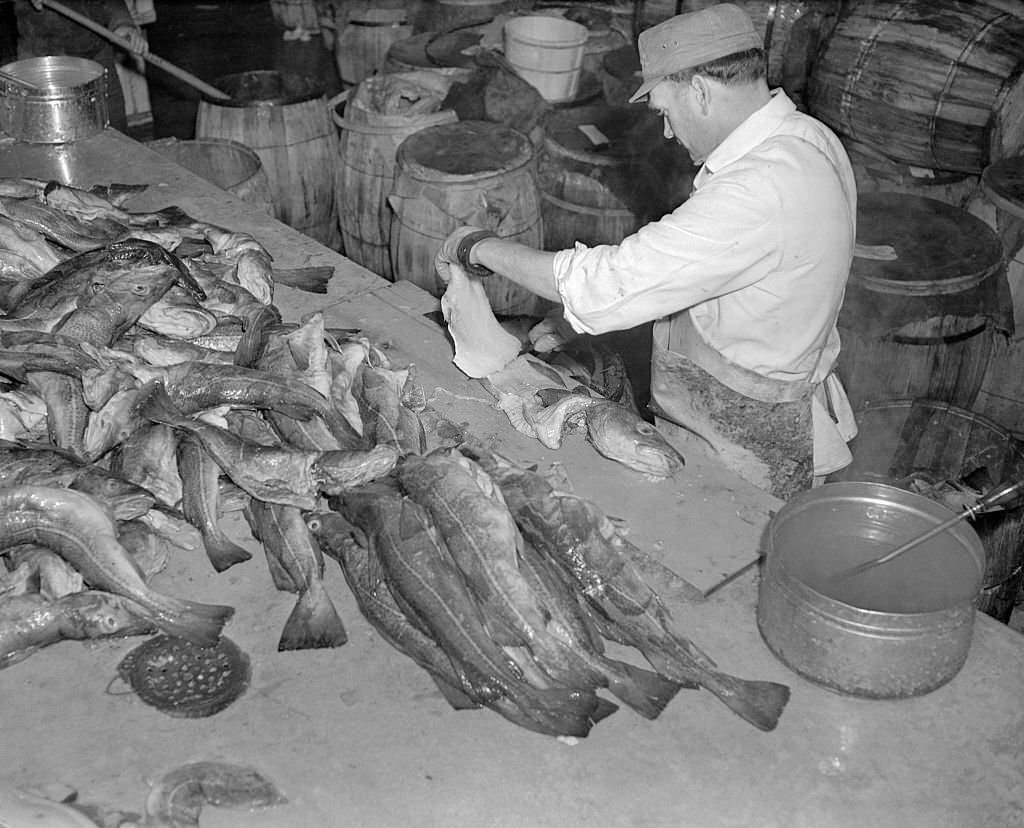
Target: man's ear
x=702, y=92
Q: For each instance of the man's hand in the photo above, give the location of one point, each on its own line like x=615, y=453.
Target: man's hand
x=133, y=34
x=448, y=254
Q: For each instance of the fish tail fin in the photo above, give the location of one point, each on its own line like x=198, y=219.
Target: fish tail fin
x=759, y=702
x=311, y=279
x=455, y=696
x=199, y=623
x=314, y=622
x=224, y=553
x=644, y=691
x=157, y=406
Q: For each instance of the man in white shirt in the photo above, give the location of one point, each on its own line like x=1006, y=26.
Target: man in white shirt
x=745, y=278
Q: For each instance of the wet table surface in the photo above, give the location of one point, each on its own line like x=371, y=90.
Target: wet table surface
x=359, y=736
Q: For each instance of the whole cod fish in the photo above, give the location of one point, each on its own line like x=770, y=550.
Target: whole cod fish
x=29, y=622
x=82, y=531
x=576, y=534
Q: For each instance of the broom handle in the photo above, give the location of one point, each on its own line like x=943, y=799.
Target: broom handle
x=149, y=57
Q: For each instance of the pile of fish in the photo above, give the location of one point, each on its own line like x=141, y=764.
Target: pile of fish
x=147, y=385
x=505, y=590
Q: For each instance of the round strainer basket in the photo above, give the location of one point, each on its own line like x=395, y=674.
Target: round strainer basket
x=184, y=680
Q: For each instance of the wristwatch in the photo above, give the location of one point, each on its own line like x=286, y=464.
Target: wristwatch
x=466, y=245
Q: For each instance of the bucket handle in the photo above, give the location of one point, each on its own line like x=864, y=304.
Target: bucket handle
x=436, y=197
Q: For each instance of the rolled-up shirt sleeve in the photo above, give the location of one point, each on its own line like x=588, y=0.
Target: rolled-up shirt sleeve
x=720, y=240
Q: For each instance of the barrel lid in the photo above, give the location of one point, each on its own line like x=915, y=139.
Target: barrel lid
x=454, y=47
x=940, y=248
x=466, y=148
x=623, y=63
x=1003, y=183
x=266, y=87
x=569, y=130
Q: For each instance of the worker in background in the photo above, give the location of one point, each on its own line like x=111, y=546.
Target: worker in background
x=745, y=278
x=42, y=32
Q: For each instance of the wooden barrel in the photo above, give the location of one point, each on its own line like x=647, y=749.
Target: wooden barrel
x=364, y=33
x=453, y=14
x=470, y=172
x=1000, y=204
x=373, y=121
x=596, y=184
x=285, y=119
x=924, y=81
x=409, y=54
x=877, y=173
x=296, y=14
x=228, y=164
x=946, y=452
x=923, y=324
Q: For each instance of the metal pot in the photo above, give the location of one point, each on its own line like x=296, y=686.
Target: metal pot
x=900, y=630
x=60, y=99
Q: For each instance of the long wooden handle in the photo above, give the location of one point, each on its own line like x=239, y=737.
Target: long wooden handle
x=167, y=66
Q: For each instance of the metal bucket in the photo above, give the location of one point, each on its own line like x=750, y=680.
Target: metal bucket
x=900, y=630
x=69, y=102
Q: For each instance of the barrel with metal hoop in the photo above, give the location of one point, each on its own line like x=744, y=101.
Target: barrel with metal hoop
x=285, y=119
x=373, y=120
x=364, y=31
x=925, y=300
x=469, y=172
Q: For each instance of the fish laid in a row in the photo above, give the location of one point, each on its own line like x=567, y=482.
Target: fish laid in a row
x=505, y=591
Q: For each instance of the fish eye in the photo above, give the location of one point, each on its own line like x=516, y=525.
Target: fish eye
x=645, y=428
x=140, y=289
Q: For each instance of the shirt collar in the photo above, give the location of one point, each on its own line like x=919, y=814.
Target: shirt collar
x=751, y=132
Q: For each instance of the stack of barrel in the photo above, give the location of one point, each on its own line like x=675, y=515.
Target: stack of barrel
x=928, y=98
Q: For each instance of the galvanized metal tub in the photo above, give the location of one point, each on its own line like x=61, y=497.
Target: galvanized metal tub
x=902, y=629
x=68, y=103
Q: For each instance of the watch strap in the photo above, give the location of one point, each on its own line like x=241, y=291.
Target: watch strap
x=466, y=245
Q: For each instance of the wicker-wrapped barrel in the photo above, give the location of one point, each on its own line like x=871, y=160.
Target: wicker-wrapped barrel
x=934, y=83
x=373, y=121
x=470, y=172
x=230, y=165
x=921, y=324
x=285, y=119
x=364, y=31
x=947, y=452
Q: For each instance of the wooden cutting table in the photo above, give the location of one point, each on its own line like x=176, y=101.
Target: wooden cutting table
x=359, y=736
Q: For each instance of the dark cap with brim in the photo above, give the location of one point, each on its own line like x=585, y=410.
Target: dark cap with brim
x=688, y=40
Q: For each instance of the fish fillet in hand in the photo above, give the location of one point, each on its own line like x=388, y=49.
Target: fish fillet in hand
x=482, y=346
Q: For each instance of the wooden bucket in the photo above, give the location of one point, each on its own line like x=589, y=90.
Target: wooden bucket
x=1000, y=204
x=285, y=119
x=923, y=324
x=469, y=172
x=917, y=444
x=295, y=14
x=602, y=34
x=364, y=33
x=596, y=187
x=373, y=121
x=228, y=164
x=925, y=81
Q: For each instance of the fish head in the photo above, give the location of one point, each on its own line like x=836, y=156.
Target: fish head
x=99, y=614
x=622, y=435
x=127, y=500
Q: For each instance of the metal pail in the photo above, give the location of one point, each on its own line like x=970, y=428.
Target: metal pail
x=68, y=103
x=900, y=630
